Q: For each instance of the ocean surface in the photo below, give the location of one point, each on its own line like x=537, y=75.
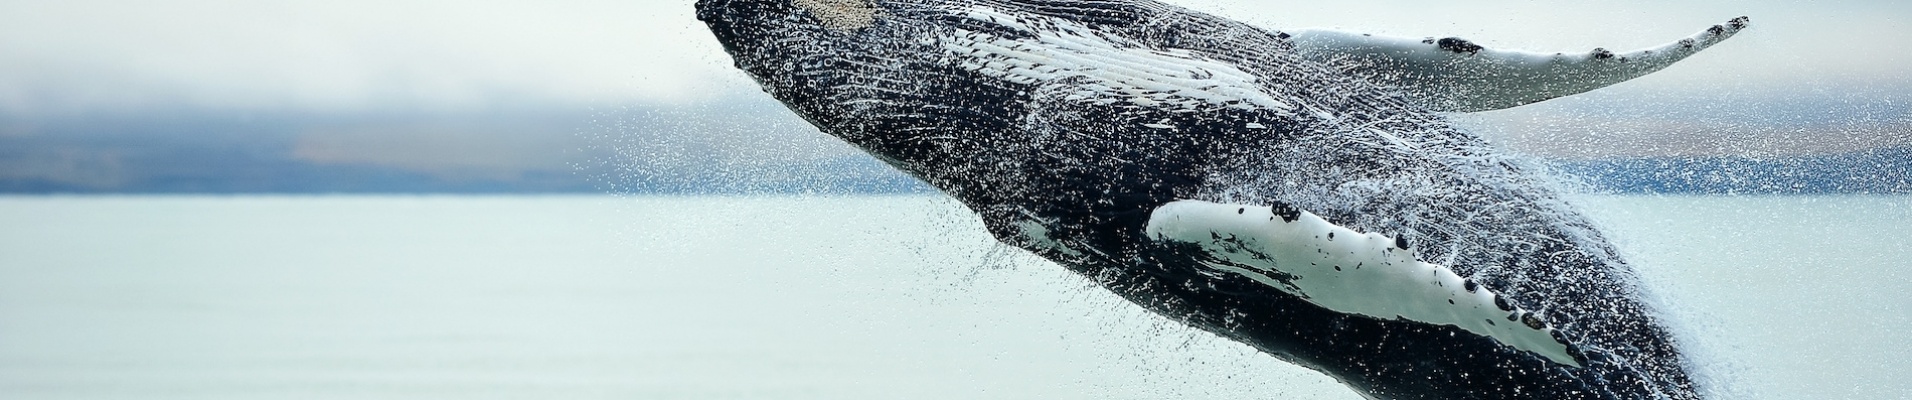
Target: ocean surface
x=872, y=297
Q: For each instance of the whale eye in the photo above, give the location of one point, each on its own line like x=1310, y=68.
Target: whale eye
x=840, y=14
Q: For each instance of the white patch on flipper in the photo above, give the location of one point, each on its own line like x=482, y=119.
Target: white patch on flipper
x=1110, y=69
x=1346, y=271
x=1479, y=78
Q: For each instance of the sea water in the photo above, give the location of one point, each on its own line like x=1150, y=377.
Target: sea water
x=877, y=297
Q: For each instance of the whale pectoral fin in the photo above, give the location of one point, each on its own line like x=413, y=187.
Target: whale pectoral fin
x=1340, y=269
x=1453, y=74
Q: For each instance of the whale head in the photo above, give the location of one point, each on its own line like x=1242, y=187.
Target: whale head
x=974, y=98
x=858, y=71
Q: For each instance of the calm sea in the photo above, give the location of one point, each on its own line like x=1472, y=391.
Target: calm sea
x=794, y=298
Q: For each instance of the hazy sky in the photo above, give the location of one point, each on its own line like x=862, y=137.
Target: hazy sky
x=501, y=90
x=330, y=55
x=348, y=56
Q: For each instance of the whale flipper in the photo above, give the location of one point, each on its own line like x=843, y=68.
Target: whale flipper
x=1453, y=74
x=1347, y=271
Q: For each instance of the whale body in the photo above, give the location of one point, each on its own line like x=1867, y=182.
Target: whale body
x=1296, y=191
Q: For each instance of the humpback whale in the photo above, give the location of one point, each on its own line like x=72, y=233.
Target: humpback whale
x=1297, y=191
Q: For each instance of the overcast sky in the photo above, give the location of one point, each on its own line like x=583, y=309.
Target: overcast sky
x=345, y=56
x=502, y=89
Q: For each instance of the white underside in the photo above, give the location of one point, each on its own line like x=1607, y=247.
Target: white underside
x=1488, y=78
x=1346, y=271
x=1106, y=69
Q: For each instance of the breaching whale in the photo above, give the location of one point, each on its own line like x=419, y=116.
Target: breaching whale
x=1296, y=191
